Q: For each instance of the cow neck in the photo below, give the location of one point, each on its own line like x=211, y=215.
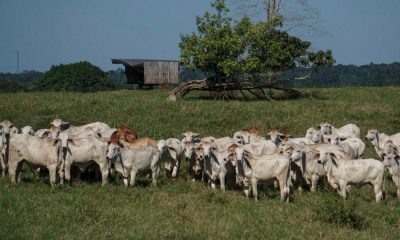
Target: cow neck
x=330, y=168
x=214, y=157
x=119, y=157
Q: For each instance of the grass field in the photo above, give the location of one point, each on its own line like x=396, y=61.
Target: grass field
x=181, y=209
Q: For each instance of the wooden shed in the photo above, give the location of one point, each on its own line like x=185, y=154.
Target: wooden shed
x=150, y=72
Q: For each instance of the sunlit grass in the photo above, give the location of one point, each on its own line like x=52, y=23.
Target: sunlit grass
x=182, y=209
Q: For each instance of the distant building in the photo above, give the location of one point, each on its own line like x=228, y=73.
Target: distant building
x=149, y=72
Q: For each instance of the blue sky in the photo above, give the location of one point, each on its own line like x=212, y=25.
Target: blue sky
x=49, y=32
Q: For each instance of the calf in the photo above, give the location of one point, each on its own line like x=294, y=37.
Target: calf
x=37, y=152
x=129, y=161
x=83, y=152
x=346, y=172
x=379, y=139
x=170, y=151
x=392, y=163
x=252, y=169
x=349, y=130
x=307, y=159
x=216, y=165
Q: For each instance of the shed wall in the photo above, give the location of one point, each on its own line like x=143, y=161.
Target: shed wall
x=161, y=72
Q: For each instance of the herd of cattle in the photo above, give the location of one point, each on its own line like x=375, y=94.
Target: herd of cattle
x=244, y=159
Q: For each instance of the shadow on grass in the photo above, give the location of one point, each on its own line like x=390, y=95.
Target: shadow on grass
x=276, y=96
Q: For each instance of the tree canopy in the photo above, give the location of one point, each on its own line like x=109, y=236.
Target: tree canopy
x=81, y=77
x=223, y=47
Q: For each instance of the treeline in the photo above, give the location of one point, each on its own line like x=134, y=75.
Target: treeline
x=371, y=75
x=77, y=77
x=85, y=77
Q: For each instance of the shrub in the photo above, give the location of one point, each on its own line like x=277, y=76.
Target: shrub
x=79, y=77
x=337, y=211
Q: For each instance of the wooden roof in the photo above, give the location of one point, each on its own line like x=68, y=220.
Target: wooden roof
x=135, y=62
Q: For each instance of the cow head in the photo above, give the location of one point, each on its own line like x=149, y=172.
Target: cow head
x=60, y=124
x=6, y=127
x=175, y=145
x=189, y=149
x=54, y=132
x=113, y=151
x=190, y=136
x=332, y=139
x=326, y=128
x=161, y=145
x=232, y=154
x=276, y=136
x=314, y=135
x=327, y=157
x=372, y=135
x=28, y=130
x=296, y=155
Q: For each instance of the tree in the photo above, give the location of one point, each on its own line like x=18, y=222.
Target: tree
x=80, y=77
x=226, y=50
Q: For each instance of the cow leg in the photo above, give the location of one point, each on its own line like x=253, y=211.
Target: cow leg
x=52, y=173
x=18, y=171
x=3, y=165
x=133, y=177
x=104, y=173
x=12, y=172
x=67, y=172
x=174, y=171
x=254, y=182
x=125, y=181
x=343, y=190
x=246, y=188
x=213, y=182
x=378, y=193
x=155, y=176
x=222, y=181
x=314, y=182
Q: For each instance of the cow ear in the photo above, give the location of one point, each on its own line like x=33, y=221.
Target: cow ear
x=56, y=142
x=316, y=156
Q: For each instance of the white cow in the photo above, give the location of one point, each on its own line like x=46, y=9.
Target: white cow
x=349, y=130
x=261, y=147
x=8, y=130
x=97, y=127
x=129, y=161
x=379, y=139
x=36, y=152
x=307, y=159
x=170, y=151
x=188, y=141
x=348, y=172
x=216, y=165
x=82, y=152
x=277, y=137
x=246, y=136
x=392, y=163
x=354, y=146
x=252, y=169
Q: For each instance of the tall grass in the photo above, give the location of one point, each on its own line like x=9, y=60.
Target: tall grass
x=182, y=209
